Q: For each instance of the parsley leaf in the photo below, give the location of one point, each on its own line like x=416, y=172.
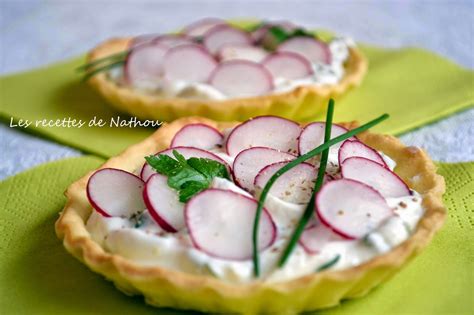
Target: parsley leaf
x=279, y=35
x=190, y=176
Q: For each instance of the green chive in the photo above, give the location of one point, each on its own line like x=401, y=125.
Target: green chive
x=309, y=211
x=119, y=56
x=289, y=166
x=329, y=264
x=91, y=73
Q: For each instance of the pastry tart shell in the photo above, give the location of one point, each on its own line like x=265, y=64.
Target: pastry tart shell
x=170, y=288
x=302, y=103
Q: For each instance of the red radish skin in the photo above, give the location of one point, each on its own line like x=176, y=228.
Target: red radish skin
x=248, y=163
x=199, y=28
x=241, y=78
x=188, y=62
x=172, y=40
x=199, y=136
x=115, y=193
x=351, y=148
x=371, y=173
x=288, y=65
x=187, y=152
x=163, y=204
x=310, y=48
x=264, y=131
x=220, y=223
x=220, y=35
x=350, y=208
x=145, y=63
x=241, y=52
x=316, y=237
x=312, y=136
x=295, y=186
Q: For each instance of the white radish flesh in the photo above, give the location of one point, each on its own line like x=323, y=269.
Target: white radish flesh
x=264, y=131
x=351, y=208
x=241, y=52
x=241, y=78
x=199, y=136
x=356, y=148
x=220, y=223
x=389, y=184
x=163, y=203
x=221, y=35
x=295, y=186
x=310, y=48
x=187, y=152
x=115, y=193
x=145, y=63
x=314, y=238
x=249, y=162
x=288, y=65
x=188, y=62
x=199, y=28
x=312, y=136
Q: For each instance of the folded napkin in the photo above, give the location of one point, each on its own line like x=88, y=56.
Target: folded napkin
x=412, y=85
x=38, y=276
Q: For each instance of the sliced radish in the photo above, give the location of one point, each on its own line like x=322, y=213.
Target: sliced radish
x=311, y=48
x=163, y=203
x=115, y=193
x=316, y=237
x=249, y=162
x=356, y=148
x=142, y=39
x=371, y=173
x=221, y=35
x=238, y=78
x=172, y=40
x=264, y=131
x=199, y=28
x=295, y=186
x=188, y=62
x=241, y=52
x=145, y=63
x=261, y=32
x=288, y=65
x=199, y=136
x=220, y=223
x=187, y=152
x=351, y=208
x=312, y=136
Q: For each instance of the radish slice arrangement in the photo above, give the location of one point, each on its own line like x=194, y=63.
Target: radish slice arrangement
x=145, y=63
x=220, y=223
x=295, y=186
x=316, y=237
x=310, y=48
x=249, y=162
x=173, y=40
x=115, y=193
x=288, y=65
x=221, y=35
x=356, y=148
x=242, y=52
x=163, y=203
x=199, y=136
x=313, y=136
x=351, y=208
x=264, y=131
x=199, y=28
x=389, y=184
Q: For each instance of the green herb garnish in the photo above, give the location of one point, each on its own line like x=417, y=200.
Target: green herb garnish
x=289, y=166
x=309, y=211
x=95, y=71
x=329, y=264
x=114, y=57
x=280, y=34
x=190, y=176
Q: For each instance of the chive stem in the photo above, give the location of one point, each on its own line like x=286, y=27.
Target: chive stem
x=93, y=72
x=309, y=211
x=289, y=166
x=329, y=264
x=92, y=64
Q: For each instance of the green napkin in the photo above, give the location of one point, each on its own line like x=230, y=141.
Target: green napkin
x=38, y=276
x=413, y=85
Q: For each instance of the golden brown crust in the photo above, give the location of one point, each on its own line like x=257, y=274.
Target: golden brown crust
x=164, y=287
x=302, y=103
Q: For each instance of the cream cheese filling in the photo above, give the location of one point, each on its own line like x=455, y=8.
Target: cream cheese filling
x=140, y=239
x=323, y=74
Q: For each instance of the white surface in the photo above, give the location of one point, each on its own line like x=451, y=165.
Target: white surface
x=36, y=33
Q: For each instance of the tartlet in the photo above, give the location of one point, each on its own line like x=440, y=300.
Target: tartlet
x=170, y=288
x=300, y=102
